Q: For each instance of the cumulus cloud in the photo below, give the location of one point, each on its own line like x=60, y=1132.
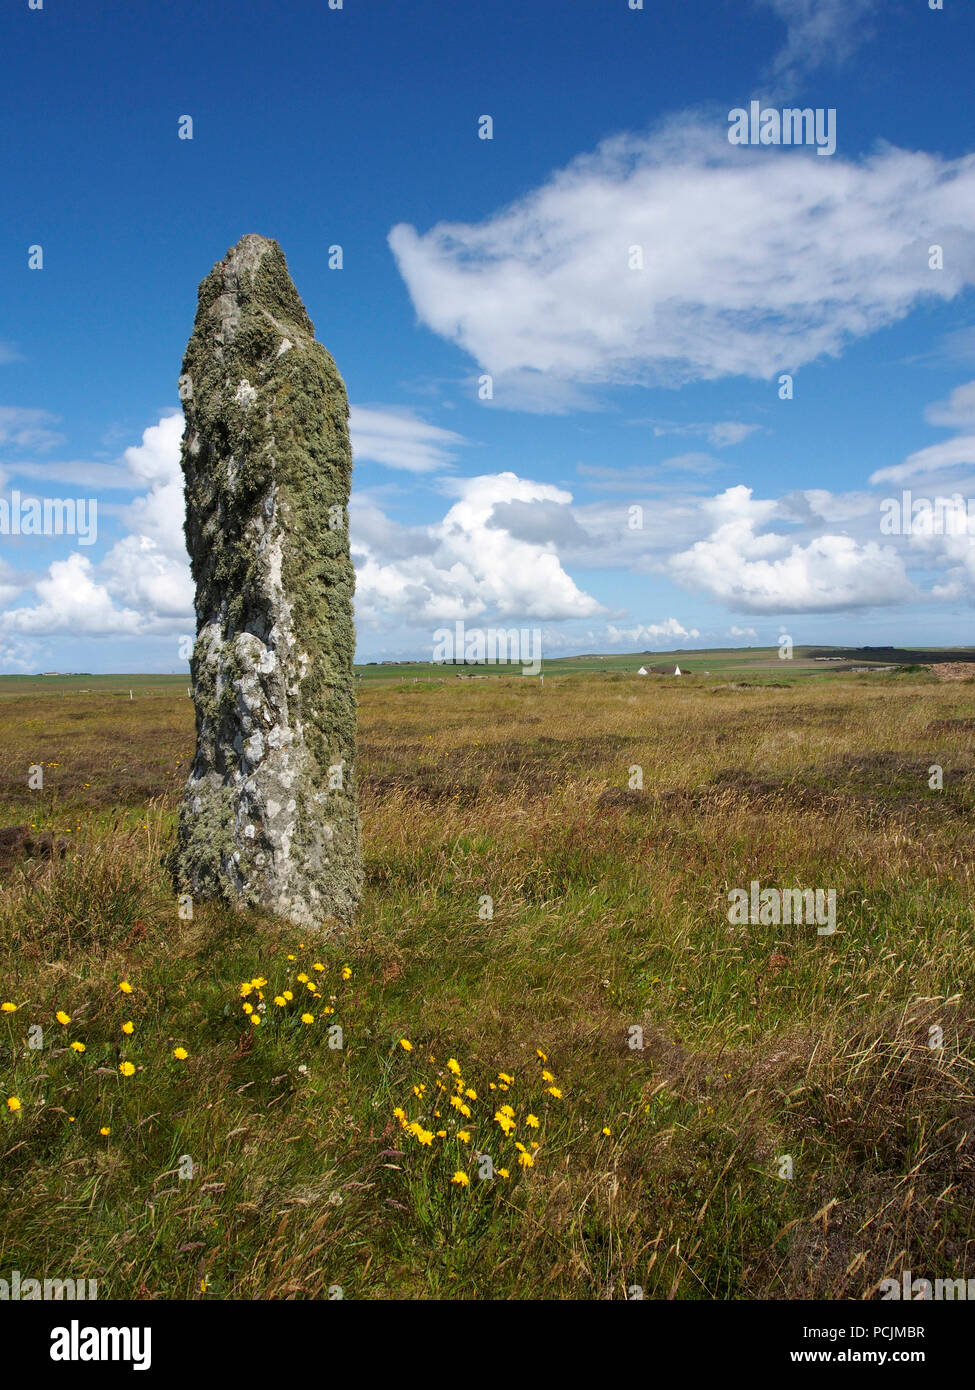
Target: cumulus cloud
x=71, y=600
x=651, y=632
x=471, y=565
x=755, y=260
x=398, y=439
x=735, y=631
x=764, y=572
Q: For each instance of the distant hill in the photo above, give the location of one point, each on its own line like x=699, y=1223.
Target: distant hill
x=893, y=656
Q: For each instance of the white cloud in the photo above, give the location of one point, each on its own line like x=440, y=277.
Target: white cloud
x=9, y=585
x=468, y=564
x=80, y=473
x=72, y=601
x=957, y=412
x=719, y=435
x=936, y=458
x=764, y=572
x=398, y=439
x=819, y=31
x=756, y=260
x=651, y=632
x=28, y=429
x=736, y=631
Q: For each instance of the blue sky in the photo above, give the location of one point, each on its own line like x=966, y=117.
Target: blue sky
x=614, y=387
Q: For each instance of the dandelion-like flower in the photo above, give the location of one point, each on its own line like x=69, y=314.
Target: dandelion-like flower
x=180, y=1053
x=77, y=1047
x=8, y=1008
x=125, y=987
x=460, y=1179
x=128, y=1026
x=62, y=1017
x=406, y=1045
x=308, y=1018
x=126, y=1068
x=13, y=1103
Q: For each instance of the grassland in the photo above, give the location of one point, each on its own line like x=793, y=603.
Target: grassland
x=609, y=913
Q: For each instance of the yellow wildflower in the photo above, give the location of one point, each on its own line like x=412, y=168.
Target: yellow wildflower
x=180, y=1053
x=125, y=987
x=554, y=1091
x=128, y=1026
x=13, y=1103
x=406, y=1045
x=77, y=1047
x=453, y=1065
x=308, y=1018
x=62, y=1017
x=126, y=1068
x=461, y=1179
x=8, y=1008
x=532, y=1121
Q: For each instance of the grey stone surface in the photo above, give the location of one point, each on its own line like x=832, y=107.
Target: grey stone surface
x=269, y=817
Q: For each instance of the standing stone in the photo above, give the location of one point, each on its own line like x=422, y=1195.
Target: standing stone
x=269, y=818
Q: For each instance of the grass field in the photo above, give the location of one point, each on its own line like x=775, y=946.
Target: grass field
x=523, y=897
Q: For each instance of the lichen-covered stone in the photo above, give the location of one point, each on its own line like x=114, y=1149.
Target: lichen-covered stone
x=269, y=818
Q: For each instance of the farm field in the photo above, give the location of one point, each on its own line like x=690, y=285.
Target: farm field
x=543, y=984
